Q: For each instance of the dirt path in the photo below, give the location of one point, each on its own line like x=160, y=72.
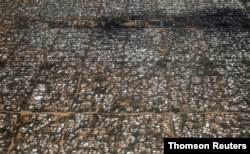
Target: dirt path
x=25, y=112
x=12, y=144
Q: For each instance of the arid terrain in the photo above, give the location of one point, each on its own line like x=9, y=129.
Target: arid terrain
x=117, y=77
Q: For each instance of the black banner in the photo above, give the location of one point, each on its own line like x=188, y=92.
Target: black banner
x=207, y=145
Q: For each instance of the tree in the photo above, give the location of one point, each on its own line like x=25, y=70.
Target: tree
x=175, y=110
